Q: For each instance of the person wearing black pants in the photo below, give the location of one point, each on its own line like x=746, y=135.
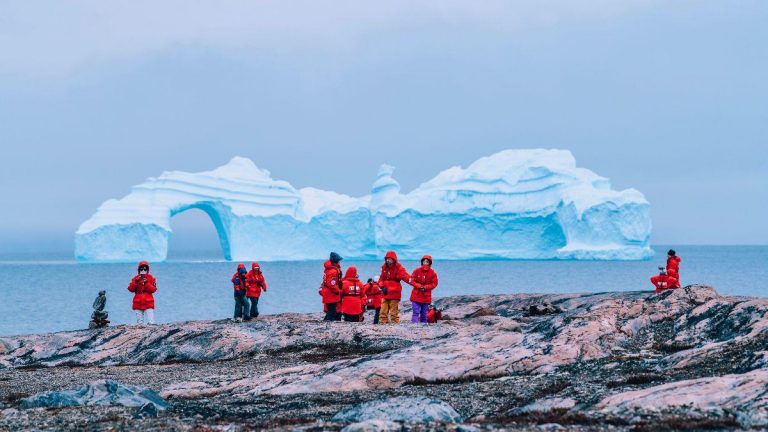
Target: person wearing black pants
x=241, y=303
x=330, y=289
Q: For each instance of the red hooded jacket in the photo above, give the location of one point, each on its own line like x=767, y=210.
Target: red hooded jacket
x=664, y=282
x=673, y=267
x=331, y=286
x=254, y=281
x=391, y=276
x=423, y=277
x=142, y=288
x=352, y=293
x=373, y=292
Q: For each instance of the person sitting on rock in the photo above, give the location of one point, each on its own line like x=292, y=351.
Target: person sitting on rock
x=239, y=283
x=673, y=265
x=663, y=281
x=424, y=281
x=254, y=285
x=374, y=296
x=143, y=286
x=392, y=274
x=352, y=295
x=330, y=289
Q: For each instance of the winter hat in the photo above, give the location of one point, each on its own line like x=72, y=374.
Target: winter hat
x=335, y=257
x=241, y=269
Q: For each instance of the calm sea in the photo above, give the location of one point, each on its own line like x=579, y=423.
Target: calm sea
x=44, y=293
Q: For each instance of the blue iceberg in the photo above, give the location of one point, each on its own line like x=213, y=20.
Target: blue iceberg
x=516, y=204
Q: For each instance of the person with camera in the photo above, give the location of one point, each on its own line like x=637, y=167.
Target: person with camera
x=330, y=288
x=392, y=274
x=424, y=281
x=374, y=296
x=254, y=285
x=663, y=281
x=352, y=296
x=143, y=286
x=239, y=283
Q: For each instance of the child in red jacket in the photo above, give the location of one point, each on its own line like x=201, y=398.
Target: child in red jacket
x=143, y=286
x=424, y=280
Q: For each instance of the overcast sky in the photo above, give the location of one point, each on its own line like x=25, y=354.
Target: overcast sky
x=670, y=98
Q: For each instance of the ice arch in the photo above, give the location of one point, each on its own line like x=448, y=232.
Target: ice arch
x=516, y=204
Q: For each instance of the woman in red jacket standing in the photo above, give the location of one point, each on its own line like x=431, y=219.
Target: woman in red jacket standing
x=143, y=285
x=330, y=289
x=392, y=273
x=352, y=295
x=254, y=285
x=424, y=280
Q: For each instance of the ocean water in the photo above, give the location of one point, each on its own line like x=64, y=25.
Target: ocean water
x=50, y=292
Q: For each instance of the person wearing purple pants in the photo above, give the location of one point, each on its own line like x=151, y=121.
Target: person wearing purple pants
x=423, y=280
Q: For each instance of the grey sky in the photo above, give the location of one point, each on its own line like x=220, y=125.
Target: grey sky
x=667, y=97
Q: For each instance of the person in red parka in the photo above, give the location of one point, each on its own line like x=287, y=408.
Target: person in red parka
x=374, y=295
x=254, y=285
x=352, y=296
x=424, y=280
x=673, y=265
x=330, y=289
x=239, y=283
x=392, y=274
x=143, y=285
x=664, y=282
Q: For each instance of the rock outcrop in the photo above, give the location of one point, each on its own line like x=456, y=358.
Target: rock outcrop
x=625, y=358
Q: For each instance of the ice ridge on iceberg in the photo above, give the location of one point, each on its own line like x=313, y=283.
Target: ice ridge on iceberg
x=515, y=204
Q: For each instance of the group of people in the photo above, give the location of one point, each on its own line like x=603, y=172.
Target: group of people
x=347, y=297
x=669, y=276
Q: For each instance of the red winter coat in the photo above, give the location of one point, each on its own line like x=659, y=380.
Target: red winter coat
x=254, y=282
x=142, y=289
x=331, y=286
x=423, y=277
x=374, y=294
x=352, y=293
x=673, y=267
x=664, y=282
x=391, y=276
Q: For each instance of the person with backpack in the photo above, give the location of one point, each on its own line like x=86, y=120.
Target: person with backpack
x=392, y=274
x=424, y=281
x=330, y=288
x=352, y=296
x=239, y=283
x=255, y=284
x=143, y=286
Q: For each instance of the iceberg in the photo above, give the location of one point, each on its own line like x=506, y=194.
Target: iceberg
x=515, y=204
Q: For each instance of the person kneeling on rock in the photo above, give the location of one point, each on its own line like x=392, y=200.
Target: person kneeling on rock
x=239, y=283
x=352, y=295
x=664, y=282
x=143, y=285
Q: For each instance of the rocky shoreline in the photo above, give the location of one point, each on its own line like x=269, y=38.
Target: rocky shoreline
x=683, y=359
